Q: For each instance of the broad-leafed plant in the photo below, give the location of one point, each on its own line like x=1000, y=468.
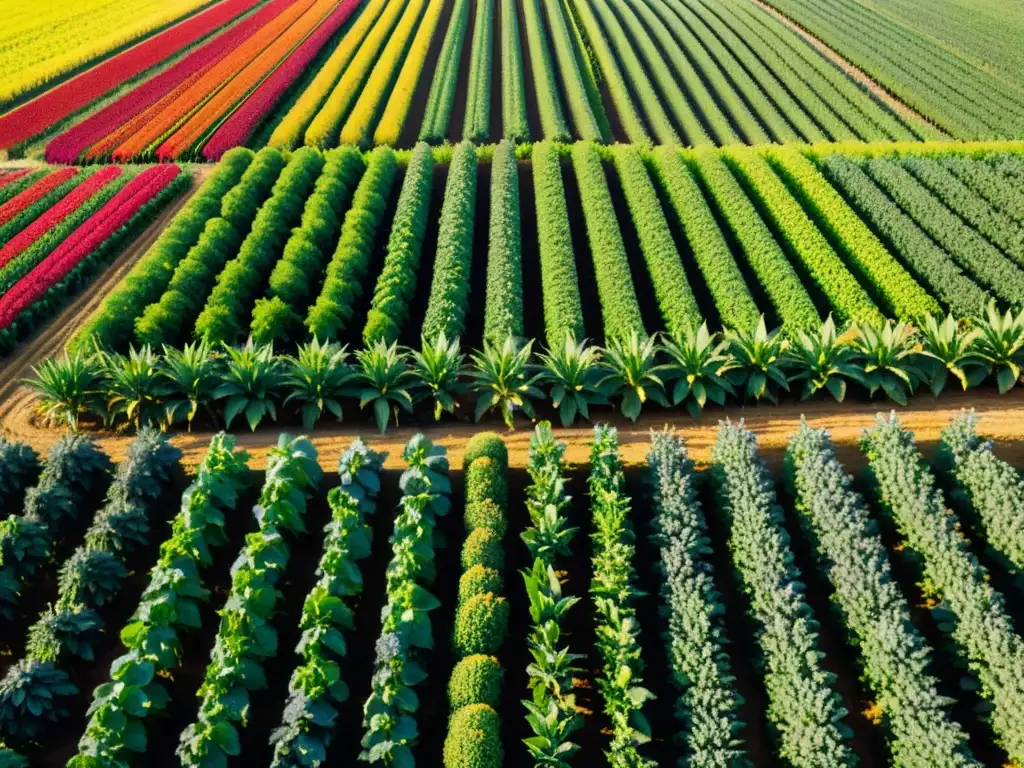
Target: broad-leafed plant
x=1000, y=344
x=948, y=349
x=192, y=375
x=134, y=386
x=890, y=357
x=436, y=368
x=318, y=377
x=64, y=631
x=504, y=380
x=33, y=695
x=251, y=383
x=634, y=374
x=699, y=362
x=573, y=371
x=383, y=381
x=68, y=387
x=823, y=361
x=758, y=361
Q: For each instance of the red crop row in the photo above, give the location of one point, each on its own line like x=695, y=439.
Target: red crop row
x=242, y=84
x=84, y=240
x=10, y=176
x=20, y=202
x=236, y=130
x=111, y=126
x=56, y=104
x=58, y=213
x=169, y=112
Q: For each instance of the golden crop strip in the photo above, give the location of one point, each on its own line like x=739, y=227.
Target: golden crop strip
x=323, y=130
x=360, y=123
x=288, y=134
x=397, y=109
x=41, y=40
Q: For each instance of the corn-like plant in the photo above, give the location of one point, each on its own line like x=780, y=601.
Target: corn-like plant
x=634, y=373
x=437, y=367
x=504, y=379
x=383, y=380
x=135, y=387
x=67, y=388
x=317, y=377
x=573, y=371
x=251, y=383
x=758, y=361
x=949, y=349
x=192, y=373
x=1000, y=344
x=823, y=361
x=700, y=361
x=890, y=355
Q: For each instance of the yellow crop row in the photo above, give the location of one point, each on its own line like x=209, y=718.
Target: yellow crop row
x=397, y=109
x=359, y=126
x=41, y=40
x=288, y=134
x=323, y=131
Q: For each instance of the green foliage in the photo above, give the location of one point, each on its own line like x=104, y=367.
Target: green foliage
x=633, y=373
x=481, y=624
x=476, y=126
x=250, y=383
x=474, y=739
x=19, y=467
x=1000, y=344
x=699, y=364
x=437, y=368
x=785, y=628
x=449, y=292
x=317, y=377
x=192, y=377
x=135, y=386
x=619, y=306
x=382, y=381
x=475, y=679
x=483, y=547
x=396, y=284
x=889, y=359
x=584, y=121
x=949, y=349
x=33, y=696
x=67, y=387
x=549, y=103
x=574, y=371
x=503, y=308
x=478, y=580
x=823, y=361
x=504, y=379
x=446, y=77
x=514, y=123
x=334, y=308
x=758, y=358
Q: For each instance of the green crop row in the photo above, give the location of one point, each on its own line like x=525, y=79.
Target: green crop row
x=446, y=76
x=477, y=124
x=503, y=307
x=514, y=125
x=545, y=81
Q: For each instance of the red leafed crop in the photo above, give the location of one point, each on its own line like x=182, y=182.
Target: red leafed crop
x=237, y=129
x=57, y=103
x=58, y=213
x=79, y=244
x=7, y=178
x=20, y=202
x=103, y=127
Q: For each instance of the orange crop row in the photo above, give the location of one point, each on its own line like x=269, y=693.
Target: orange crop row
x=162, y=118
x=242, y=84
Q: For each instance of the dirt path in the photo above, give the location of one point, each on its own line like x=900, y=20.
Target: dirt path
x=856, y=74
x=51, y=337
x=1002, y=419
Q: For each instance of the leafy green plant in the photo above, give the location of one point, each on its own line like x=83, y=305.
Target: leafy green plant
x=33, y=694
x=504, y=379
x=252, y=379
x=67, y=387
x=192, y=373
x=823, y=361
x=699, y=364
x=634, y=373
x=475, y=679
x=758, y=360
x=1000, y=343
x=949, y=349
x=573, y=371
x=437, y=367
x=62, y=632
x=889, y=356
x=134, y=386
x=384, y=381
x=90, y=577
x=317, y=377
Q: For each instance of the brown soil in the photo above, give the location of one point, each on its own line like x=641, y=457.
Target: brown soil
x=1002, y=419
x=856, y=74
x=52, y=336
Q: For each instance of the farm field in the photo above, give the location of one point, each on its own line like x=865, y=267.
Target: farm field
x=685, y=545
x=484, y=383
